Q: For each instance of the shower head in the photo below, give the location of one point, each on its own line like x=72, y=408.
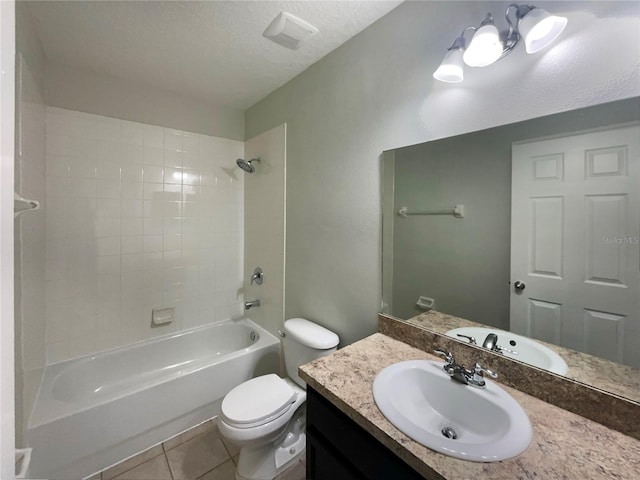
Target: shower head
x=247, y=166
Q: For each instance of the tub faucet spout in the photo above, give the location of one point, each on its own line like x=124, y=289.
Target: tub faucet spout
x=252, y=303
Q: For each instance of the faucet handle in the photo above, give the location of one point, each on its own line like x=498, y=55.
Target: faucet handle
x=472, y=340
x=448, y=357
x=479, y=370
x=258, y=276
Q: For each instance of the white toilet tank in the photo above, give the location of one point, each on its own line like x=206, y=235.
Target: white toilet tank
x=305, y=341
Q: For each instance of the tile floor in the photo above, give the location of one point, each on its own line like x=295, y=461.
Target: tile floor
x=197, y=454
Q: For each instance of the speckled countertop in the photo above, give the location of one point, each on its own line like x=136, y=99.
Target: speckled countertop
x=564, y=445
x=603, y=374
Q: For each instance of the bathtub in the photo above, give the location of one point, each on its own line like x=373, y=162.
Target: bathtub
x=94, y=411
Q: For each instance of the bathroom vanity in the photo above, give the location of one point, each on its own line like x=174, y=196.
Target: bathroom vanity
x=349, y=438
x=337, y=447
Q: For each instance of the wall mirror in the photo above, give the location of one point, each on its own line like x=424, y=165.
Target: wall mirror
x=552, y=203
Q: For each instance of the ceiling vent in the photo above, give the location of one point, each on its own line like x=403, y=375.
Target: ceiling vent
x=289, y=31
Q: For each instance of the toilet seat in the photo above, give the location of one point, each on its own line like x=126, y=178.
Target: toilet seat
x=257, y=401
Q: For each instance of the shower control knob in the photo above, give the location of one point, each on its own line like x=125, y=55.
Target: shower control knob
x=519, y=286
x=258, y=276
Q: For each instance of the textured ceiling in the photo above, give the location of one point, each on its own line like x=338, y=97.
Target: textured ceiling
x=213, y=50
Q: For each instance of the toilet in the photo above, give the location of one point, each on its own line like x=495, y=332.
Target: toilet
x=263, y=416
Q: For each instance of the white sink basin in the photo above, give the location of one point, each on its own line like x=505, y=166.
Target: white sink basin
x=422, y=401
x=529, y=351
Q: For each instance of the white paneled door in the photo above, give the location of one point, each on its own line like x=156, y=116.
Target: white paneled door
x=575, y=242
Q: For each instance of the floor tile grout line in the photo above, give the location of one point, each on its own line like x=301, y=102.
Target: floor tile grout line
x=217, y=466
x=227, y=450
x=102, y=474
x=209, y=471
x=166, y=459
x=164, y=450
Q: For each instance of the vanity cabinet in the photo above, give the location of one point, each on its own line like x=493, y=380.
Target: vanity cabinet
x=339, y=449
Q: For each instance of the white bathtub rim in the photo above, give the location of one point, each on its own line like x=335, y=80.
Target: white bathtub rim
x=155, y=339
x=265, y=338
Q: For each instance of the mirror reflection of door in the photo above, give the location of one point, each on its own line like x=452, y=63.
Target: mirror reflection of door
x=575, y=245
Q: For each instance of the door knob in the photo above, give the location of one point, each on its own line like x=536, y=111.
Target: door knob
x=518, y=286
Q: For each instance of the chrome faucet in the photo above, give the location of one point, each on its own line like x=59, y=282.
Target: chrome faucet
x=491, y=342
x=252, y=303
x=258, y=276
x=473, y=377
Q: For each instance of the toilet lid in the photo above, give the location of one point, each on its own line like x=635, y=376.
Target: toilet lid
x=259, y=399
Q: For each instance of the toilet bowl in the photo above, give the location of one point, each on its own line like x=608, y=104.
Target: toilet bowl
x=265, y=416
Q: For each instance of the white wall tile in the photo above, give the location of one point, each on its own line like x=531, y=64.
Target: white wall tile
x=173, y=175
x=82, y=345
x=153, y=136
x=172, y=258
x=153, y=156
x=107, y=151
x=108, y=338
x=131, y=226
x=56, y=326
x=131, y=262
x=172, y=158
x=152, y=174
x=82, y=187
x=152, y=260
x=131, y=208
x=108, y=246
x=131, y=172
x=107, y=169
x=108, y=264
x=57, y=351
x=131, y=280
x=153, y=281
x=108, y=284
x=172, y=193
x=106, y=188
x=191, y=176
x=191, y=159
x=131, y=244
x=108, y=207
x=132, y=132
x=107, y=128
x=172, y=139
x=57, y=145
x=132, y=190
x=132, y=154
x=171, y=209
x=152, y=190
x=128, y=229
x=152, y=243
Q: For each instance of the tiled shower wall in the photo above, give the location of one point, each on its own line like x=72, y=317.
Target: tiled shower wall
x=138, y=217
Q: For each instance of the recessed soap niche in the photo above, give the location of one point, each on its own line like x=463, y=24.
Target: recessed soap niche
x=162, y=316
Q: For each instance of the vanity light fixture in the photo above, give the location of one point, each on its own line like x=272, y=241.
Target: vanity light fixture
x=537, y=27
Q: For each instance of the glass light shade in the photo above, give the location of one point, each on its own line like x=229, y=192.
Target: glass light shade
x=485, y=47
x=451, y=68
x=539, y=28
